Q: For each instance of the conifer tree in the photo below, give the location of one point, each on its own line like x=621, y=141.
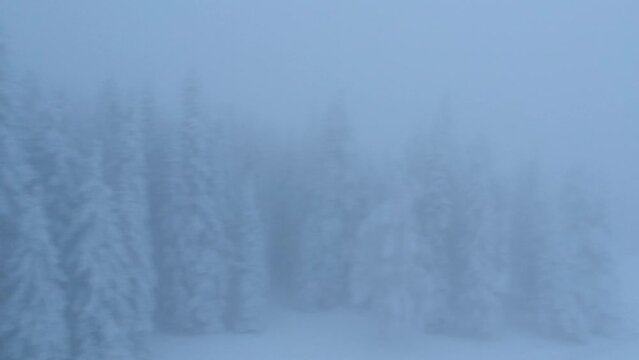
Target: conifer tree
x=197, y=282
x=577, y=302
x=132, y=209
x=328, y=232
x=51, y=156
x=481, y=251
x=14, y=172
x=249, y=276
x=529, y=245
x=31, y=300
x=434, y=166
x=33, y=311
x=101, y=303
x=386, y=276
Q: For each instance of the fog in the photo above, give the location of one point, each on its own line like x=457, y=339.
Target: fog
x=555, y=83
x=561, y=75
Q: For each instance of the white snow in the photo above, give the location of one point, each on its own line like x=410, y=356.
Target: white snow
x=340, y=335
x=353, y=335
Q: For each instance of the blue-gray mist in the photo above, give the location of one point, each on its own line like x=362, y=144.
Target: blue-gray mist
x=318, y=179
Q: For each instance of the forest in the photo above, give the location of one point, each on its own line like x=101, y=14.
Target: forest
x=319, y=180
x=129, y=218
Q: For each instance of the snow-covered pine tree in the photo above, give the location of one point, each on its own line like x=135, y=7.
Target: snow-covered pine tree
x=163, y=177
x=165, y=225
x=195, y=266
x=529, y=241
x=592, y=227
x=321, y=273
x=559, y=311
x=578, y=301
x=33, y=311
x=31, y=301
x=101, y=304
x=328, y=232
x=434, y=167
x=249, y=271
x=481, y=286
x=51, y=157
x=156, y=147
x=14, y=171
x=386, y=276
x=129, y=184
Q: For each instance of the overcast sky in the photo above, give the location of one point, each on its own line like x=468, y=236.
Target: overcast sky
x=559, y=78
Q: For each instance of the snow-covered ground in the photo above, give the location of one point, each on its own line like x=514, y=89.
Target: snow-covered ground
x=349, y=335
x=343, y=335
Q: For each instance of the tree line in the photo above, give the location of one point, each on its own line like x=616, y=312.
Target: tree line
x=128, y=218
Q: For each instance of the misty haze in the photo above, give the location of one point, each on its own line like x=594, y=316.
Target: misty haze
x=319, y=180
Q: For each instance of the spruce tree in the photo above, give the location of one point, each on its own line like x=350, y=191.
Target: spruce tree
x=434, y=168
x=328, y=231
x=478, y=299
x=578, y=302
x=249, y=275
x=529, y=246
x=33, y=311
x=197, y=282
x=31, y=300
x=101, y=303
x=386, y=276
x=51, y=157
x=132, y=211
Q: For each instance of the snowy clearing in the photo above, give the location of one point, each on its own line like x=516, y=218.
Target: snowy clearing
x=342, y=335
